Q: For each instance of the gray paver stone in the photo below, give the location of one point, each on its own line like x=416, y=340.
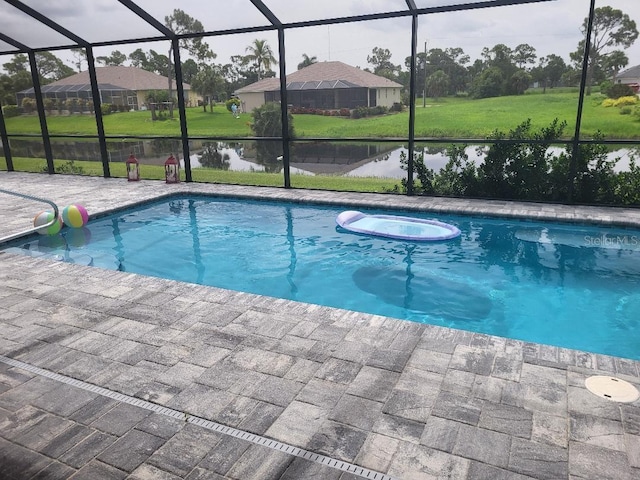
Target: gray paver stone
x=120, y=419
x=483, y=445
x=417, y=462
x=632, y=443
x=440, y=434
x=151, y=472
x=261, y=418
x=399, y=428
x=65, y=440
x=83, y=452
x=377, y=452
x=307, y=470
x=373, y=383
x=322, y=393
x=546, y=462
x=472, y=359
x=64, y=400
x=201, y=400
x=18, y=462
x=96, y=469
x=601, y=432
x=409, y=405
x=507, y=419
x=337, y=440
x=276, y=390
x=224, y=455
x=482, y=471
x=590, y=461
x=298, y=423
x=338, y=371
x=259, y=463
x=161, y=426
x=54, y=471
x=459, y=408
x=357, y=412
x=184, y=450
x=131, y=450
x=93, y=410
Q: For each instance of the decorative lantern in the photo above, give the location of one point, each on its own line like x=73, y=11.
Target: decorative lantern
x=133, y=170
x=172, y=170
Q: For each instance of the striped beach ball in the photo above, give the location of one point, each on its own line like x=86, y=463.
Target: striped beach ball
x=75, y=216
x=45, y=217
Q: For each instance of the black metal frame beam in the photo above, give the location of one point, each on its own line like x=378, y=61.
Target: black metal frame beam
x=22, y=48
x=5, y=143
x=144, y=15
x=267, y=13
x=48, y=22
x=181, y=107
x=575, y=152
x=44, y=130
x=284, y=112
x=97, y=109
x=412, y=103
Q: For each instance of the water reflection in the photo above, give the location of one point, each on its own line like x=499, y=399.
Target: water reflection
x=307, y=158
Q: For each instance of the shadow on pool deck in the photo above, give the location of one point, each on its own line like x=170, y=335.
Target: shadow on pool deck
x=107, y=374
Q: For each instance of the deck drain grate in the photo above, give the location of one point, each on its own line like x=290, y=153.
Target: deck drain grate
x=612, y=388
x=202, y=422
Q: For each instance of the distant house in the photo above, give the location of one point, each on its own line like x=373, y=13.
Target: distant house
x=630, y=77
x=324, y=85
x=117, y=85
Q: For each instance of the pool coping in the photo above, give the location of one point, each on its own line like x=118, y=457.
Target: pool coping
x=442, y=398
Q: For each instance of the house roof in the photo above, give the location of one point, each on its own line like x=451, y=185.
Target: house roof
x=130, y=78
x=632, y=73
x=324, y=75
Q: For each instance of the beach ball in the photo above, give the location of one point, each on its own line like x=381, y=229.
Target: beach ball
x=45, y=217
x=75, y=216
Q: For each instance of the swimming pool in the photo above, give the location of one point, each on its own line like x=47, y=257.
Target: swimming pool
x=558, y=284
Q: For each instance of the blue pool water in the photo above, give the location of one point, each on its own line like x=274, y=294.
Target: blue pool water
x=565, y=285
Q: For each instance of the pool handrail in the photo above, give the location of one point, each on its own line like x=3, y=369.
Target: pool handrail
x=33, y=229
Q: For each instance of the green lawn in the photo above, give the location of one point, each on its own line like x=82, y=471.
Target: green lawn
x=444, y=118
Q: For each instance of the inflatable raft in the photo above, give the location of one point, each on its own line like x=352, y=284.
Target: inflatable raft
x=397, y=227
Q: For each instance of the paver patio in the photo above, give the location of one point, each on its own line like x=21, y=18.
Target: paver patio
x=395, y=398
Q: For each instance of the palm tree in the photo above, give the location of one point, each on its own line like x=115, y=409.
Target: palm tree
x=306, y=61
x=260, y=53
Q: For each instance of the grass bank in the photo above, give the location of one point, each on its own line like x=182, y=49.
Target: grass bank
x=208, y=175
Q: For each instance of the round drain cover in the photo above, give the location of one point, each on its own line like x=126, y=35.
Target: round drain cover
x=612, y=388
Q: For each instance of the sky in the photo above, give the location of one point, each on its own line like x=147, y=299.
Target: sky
x=550, y=27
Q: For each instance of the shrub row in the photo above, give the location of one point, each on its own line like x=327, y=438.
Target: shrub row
x=327, y=112
x=361, y=112
x=10, y=111
x=528, y=170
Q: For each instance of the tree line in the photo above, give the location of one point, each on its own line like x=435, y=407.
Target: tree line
x=501, y=70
